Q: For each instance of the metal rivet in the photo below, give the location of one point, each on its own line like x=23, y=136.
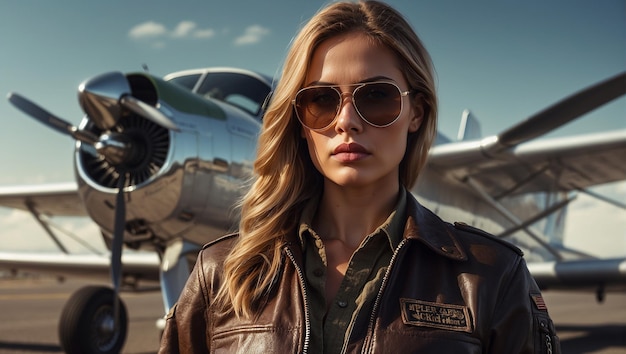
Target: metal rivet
x=342, y=304
x=447, y=249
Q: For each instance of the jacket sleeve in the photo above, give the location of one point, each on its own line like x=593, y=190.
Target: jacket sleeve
x=186, y=323
x=521, y=322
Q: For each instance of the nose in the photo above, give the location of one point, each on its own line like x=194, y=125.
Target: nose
x=348, y=118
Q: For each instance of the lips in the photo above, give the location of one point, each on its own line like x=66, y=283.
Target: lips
x=350, y=148
x=350, y=152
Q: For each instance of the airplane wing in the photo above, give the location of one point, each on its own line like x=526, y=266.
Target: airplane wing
x=514, y=162
x=63, y=200
x=49, y=199
x=137, y=265
x=599, y=275
x=555, y=165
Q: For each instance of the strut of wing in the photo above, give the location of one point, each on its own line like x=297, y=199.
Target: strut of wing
x=512, y=163
x=42, y=200
x=104, y=99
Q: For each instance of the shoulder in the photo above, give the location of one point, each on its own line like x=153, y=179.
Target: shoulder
x=464, y=230
x=213, y=253
x=221, y=242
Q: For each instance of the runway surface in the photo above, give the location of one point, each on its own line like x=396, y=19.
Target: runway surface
x=30, y=309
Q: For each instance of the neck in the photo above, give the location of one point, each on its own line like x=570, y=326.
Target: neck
x=349, y=215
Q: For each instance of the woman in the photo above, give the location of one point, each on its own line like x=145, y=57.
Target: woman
x=333, y=253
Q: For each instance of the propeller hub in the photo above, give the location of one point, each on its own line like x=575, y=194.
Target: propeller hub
x=119, y=149
x=99, y=98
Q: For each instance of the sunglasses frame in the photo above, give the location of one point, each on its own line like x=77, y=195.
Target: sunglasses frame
x=337, y=88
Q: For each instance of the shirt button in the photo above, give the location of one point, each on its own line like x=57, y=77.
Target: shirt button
x=342, y=304
x=318, y=272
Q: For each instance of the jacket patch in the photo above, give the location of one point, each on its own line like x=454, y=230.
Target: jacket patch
x=539, y=303
x=435, y=315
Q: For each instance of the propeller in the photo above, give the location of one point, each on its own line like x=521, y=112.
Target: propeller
x=52, y=121
x=103, y=96
x=104, y=99
x=561, y=113
x=117, y=243
x=145, y=110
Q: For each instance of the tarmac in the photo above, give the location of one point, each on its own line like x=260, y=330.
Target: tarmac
x=30, y=309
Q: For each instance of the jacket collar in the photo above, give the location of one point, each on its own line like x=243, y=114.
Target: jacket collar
x=421, y=225
x=424, y=226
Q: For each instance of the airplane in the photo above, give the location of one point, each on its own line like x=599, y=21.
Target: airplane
x=161, y=162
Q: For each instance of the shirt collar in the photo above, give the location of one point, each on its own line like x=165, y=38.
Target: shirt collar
x=392, y=228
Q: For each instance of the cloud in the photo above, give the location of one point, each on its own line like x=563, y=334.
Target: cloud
x=157, y=33
x=184, y=29
x=252, y=34
x=148, y=29
x=151, y=30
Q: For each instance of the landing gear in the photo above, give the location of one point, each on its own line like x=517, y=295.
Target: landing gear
x=87, y=323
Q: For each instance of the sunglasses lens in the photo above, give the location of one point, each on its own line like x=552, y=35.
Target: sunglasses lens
x=317, y=106
x=378, y=103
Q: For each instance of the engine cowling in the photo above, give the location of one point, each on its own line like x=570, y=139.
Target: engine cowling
x=169, y=184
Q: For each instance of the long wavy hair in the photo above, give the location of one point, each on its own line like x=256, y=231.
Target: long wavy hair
x=285, y=177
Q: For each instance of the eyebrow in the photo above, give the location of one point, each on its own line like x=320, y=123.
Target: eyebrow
x=370, y=79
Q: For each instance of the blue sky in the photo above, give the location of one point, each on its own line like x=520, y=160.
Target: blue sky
x=504, y=60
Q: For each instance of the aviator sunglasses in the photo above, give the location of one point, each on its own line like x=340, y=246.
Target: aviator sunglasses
x=379, y=103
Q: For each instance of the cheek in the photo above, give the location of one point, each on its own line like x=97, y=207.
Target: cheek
x=399, y=137
x=399, y=149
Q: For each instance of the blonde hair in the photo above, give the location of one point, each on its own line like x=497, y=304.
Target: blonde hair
x=285, y=175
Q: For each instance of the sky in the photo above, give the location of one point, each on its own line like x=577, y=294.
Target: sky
x=503, y=60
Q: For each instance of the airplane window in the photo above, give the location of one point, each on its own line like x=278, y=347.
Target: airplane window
x=188, y=81
x=240, y=90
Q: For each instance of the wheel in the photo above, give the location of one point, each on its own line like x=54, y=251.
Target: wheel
x=87, y=322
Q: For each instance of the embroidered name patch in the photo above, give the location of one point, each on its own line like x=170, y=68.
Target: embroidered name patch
x=436, y=315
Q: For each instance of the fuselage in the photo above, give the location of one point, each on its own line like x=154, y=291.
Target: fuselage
x=192, y=177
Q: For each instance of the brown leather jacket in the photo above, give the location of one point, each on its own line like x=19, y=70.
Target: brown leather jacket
x=448, y=289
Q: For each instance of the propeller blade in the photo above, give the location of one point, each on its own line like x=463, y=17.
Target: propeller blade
x=118, y=240
x=32, y=109
x=563, y=112
x=149, y=112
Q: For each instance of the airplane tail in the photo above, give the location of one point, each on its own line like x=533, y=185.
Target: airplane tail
x=470, y=127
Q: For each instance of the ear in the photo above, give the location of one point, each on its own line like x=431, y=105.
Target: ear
x=417, y=114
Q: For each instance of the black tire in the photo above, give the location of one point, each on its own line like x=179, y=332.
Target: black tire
x=85, y=323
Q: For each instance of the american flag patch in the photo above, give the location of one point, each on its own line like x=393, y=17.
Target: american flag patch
x=539, y=303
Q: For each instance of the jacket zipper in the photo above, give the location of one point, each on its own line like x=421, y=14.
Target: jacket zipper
x=547, y=337
x=307, y=320
x=370, y=328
